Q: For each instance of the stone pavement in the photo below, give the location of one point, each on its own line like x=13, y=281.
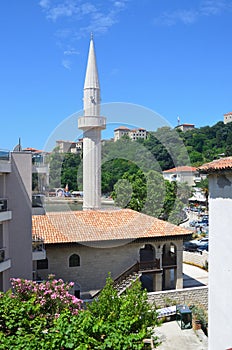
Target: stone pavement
x=170, y=333
x=172, y=337
x=194, y=276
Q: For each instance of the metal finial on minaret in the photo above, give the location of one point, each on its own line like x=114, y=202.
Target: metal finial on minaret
x=91, y=36
x=92, y=124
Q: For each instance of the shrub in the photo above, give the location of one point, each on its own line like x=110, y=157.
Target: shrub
x=45, y=316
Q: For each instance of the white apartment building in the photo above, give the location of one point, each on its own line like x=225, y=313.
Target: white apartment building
x=183, y=174
x=69, y=146
x=133, y=134
x=227, y=118
x=15, y=217
x=185, y=127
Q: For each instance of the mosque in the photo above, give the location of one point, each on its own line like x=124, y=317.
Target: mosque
x=84, y=246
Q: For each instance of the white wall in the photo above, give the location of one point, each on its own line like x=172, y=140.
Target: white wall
x=220, y=262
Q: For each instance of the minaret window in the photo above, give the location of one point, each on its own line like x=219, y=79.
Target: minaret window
x=74, y=260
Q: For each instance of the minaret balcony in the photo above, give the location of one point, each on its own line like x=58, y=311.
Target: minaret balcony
x=89, y=122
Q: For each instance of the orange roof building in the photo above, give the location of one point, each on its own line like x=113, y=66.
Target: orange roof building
x=84, y=246
x=182, y=174
x=102, y=225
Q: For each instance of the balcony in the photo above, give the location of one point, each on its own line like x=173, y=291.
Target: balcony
x=5, y=165
x=38, y=249
x=5, y=264
x=149, y=266
x=5, y=214
x=90, y=122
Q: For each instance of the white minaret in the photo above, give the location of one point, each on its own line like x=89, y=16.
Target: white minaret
x=92, y=124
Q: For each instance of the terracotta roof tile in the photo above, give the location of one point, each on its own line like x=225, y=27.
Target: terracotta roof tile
x=92, y=226
x=122, y=128
x=217, y=165
x=180, y=169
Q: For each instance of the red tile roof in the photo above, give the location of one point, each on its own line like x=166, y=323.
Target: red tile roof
x=107, y=225
x=217, y=165
x=122, y=128
x=180, y=169
x=227, y=114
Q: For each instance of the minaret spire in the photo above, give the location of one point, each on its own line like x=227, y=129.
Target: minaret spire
x=92, y=124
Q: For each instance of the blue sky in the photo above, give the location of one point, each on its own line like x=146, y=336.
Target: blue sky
x=170, y=56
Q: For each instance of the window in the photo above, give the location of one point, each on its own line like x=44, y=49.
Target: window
x=74, y=260
x=42, y=264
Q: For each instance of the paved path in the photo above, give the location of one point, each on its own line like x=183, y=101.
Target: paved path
x=175, y=338
x=170, y=333
x=194, y=276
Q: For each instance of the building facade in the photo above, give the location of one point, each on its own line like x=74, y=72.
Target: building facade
x=185, y=127
x=15, y=217
x=183, y=174
x=70, y=146
x=227, y=118
x=85, y=246
x=220, y=258
x=133, y=134
x=40, y=168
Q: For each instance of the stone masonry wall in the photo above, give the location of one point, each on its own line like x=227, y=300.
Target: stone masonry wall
x=196, y=295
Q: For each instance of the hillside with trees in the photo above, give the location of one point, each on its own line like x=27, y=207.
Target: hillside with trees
x=132, y=170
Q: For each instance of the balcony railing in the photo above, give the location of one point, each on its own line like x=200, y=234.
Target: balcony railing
x=2, y=254
x=4, y=155
x=149, y=265
x=37, y=243
x=3, y=204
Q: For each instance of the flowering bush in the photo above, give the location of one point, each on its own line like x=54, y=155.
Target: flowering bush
x=46, y=316
x=53, y=295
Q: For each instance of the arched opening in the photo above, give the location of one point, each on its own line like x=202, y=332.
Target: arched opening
x=147, y=254
x=169, y=265
x=74, y=260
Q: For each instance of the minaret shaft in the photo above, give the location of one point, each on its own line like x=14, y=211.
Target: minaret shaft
x=92, y=124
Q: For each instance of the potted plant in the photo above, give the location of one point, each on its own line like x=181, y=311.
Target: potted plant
x=199, y=317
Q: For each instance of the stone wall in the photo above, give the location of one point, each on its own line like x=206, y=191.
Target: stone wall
x=196, y=259
x=196, y=295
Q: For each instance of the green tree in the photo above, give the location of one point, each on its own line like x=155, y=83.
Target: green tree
x=69, y=171
x=64, y=169
x=155, y=194
x=122, y=193
x=136, y=182
x=121, y=322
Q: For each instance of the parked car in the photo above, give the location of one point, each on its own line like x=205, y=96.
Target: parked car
x=190, y=246
x=202, y=247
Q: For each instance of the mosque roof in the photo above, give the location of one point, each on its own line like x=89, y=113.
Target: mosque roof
x=101, y=225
